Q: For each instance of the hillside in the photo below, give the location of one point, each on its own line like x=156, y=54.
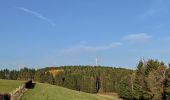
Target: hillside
x=87, y=79
x=52, y=92
x=9, y=85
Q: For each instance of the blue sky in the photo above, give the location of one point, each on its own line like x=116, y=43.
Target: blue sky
x=39, y=33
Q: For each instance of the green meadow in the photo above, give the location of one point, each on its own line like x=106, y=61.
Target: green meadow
x=52, y=92
x=9, y=85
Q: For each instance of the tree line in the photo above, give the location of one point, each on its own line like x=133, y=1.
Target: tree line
x=150, y=80
x=81, y=78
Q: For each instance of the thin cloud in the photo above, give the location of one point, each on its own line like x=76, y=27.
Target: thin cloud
x=157, y=7
x=85, y=48
x=168, y=38
x=149, y=12
x=87, y=41
x=165, y=39
x=141, y=37
x=38, y=15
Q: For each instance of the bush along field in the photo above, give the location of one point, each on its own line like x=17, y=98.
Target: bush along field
x=8, y=89
x=13, y=89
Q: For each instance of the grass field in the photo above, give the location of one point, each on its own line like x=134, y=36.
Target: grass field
x=51, y=92
x=9, y=85
x=114, y=96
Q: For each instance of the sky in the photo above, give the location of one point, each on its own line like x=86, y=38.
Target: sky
x=40, y=33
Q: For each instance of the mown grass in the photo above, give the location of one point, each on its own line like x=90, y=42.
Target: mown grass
x=9, y=85
x=52, y=92
x=49, y=92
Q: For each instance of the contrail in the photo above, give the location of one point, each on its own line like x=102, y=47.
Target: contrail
x=38, y=15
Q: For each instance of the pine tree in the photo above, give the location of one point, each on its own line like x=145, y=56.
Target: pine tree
x=140, y=83
x=155, y=81
x=125, y=88
x=167, y=84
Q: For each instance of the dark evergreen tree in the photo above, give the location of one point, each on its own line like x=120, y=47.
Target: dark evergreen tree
x=125, y=88
x=167, y=84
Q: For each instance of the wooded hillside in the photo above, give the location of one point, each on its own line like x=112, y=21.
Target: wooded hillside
x=81, y=78
x=150, y=80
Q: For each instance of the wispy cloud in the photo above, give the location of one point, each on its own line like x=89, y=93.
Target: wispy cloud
x=164, y=39
x=87, y=41
x=85, y=48
x=156, y=7
x=140, y=37
x=36, y=14
x=168, y=38
x=149, y=12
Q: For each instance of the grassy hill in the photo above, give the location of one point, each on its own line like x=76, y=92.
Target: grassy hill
x=9, y=85
x=52, y=92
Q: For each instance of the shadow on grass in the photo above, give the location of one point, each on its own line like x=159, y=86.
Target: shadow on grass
x=5, y=96
x=31, y=86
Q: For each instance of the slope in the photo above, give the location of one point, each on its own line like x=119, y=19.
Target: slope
x=9, y=85
x=52, y=92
